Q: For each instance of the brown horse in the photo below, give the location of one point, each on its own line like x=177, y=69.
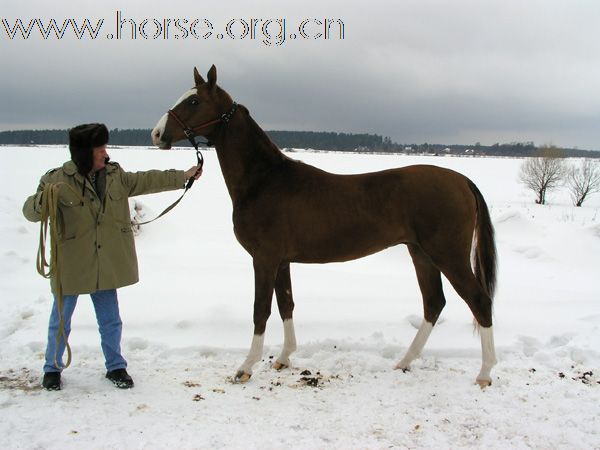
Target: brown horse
x=286, y=211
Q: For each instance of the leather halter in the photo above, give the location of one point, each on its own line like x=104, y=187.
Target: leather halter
x=189, y=134
x=189, y=131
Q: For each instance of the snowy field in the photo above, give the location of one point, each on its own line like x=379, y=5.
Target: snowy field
x=188, y=326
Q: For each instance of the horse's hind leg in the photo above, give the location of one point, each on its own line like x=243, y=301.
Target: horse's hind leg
x=285, y=302
x=466, y=285
x=430, y=282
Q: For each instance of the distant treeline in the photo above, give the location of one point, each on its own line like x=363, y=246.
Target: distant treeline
x=367, y=143
x=61, y=137
x=284, y=139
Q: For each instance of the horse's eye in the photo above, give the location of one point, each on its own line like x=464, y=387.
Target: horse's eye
x=194, y=101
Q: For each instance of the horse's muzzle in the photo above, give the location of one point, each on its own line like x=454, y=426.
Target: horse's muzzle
x=157, y=140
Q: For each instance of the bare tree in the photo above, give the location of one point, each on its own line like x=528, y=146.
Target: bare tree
x=544, y=172
x=583, y=180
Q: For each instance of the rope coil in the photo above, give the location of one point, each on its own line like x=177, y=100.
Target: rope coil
x=49, y=219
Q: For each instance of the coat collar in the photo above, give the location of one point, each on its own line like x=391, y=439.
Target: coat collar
x=70, y=169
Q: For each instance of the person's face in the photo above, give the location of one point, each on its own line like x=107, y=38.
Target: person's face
x=99, y=156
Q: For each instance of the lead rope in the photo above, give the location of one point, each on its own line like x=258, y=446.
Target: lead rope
x=188, y=185
x=49, y=213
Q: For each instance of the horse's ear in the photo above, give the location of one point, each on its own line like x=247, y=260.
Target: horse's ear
x=198, y=78
x=212, y=77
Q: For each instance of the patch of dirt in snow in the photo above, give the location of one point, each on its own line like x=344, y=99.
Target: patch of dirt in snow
x=20, y=379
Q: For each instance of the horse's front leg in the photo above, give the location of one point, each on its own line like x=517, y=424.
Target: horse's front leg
x=264, y=281
x=285, y=302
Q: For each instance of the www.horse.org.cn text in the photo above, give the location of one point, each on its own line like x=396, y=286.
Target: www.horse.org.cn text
x=270, y=31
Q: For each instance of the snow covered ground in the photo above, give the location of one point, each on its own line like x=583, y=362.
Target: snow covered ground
x=188, y=325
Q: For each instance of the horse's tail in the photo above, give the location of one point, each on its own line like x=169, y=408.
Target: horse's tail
x=484, y=247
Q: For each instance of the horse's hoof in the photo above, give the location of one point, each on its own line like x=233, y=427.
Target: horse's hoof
x=279, y=366
x=242, y=377
x=402, y=367
x=483, y=383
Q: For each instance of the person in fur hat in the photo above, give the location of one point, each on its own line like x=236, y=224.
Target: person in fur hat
x=97, y=250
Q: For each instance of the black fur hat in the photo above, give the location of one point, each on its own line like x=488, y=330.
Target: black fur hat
x=82, y=140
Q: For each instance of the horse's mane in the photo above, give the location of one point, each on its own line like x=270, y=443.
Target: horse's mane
x=262, y=140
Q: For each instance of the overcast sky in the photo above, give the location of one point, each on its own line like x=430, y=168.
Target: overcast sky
x=460, y=71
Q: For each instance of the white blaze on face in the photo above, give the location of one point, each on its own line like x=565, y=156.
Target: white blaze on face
x=159, y=129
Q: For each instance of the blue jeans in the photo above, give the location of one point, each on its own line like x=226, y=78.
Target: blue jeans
x=106, y=306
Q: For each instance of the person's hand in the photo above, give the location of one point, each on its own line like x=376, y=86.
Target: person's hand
x=191, y=172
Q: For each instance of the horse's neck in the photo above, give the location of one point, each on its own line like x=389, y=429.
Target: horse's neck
x=246, y=154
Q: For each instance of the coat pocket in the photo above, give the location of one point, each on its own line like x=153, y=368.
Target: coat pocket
x=68, y=201
x=69, y=211
x=115, y=194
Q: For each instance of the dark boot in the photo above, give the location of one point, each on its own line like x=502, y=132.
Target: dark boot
x=120, y=378
x=51, y=381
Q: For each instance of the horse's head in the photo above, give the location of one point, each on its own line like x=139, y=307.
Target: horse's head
x=199, y=110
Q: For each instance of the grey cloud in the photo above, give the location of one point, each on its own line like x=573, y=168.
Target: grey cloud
x=435, y=71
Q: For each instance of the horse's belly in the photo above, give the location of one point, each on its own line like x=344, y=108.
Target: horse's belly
x=343, y=246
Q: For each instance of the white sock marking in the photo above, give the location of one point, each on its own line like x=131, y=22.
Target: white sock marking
x=289, y=342
x=488, y=353
x=417, y=345
x=254, y=355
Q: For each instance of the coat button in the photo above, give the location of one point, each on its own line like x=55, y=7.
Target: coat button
x=99, y=246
